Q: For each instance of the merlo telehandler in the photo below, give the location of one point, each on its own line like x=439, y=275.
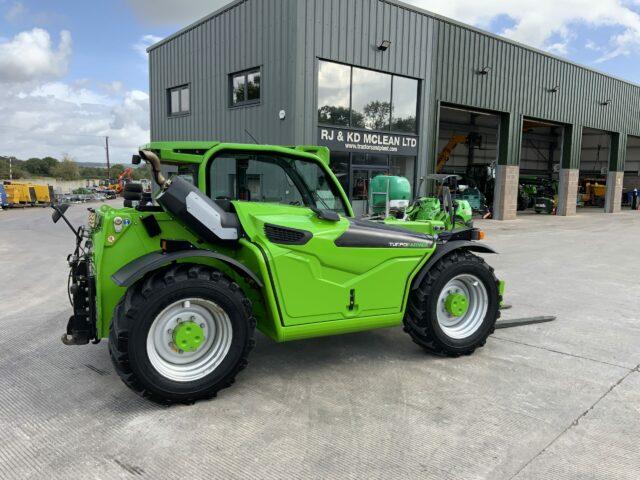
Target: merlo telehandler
x=243, y=237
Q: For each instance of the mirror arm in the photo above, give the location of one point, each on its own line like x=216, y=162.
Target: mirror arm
x=62, y=215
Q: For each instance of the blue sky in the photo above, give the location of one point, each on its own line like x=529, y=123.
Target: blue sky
x=73, y=71
x=104, y=34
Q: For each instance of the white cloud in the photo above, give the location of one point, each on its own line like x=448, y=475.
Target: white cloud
x=42, y=114
x=55, y=118
x=170, y=12
x=537, y=24
x=145, y=42
x=31, y=55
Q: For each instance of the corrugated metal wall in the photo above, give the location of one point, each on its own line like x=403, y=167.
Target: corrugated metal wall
x=286, y=37
x=520, y=81
x=253, y=33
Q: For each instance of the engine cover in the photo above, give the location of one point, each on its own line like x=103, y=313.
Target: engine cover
x=199, y=213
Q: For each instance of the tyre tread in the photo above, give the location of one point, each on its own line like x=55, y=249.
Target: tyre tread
x=416, y=323
x=125, y=315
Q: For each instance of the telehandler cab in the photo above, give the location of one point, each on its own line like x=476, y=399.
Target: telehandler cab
x=241, y=237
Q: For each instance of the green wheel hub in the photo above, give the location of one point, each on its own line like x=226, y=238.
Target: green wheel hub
x=188, y=336
x=456, y=304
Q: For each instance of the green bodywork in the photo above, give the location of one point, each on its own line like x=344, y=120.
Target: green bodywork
x=429, y=210
x=308, y=291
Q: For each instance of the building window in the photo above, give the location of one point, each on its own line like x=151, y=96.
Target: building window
x=334, y=94
x=370, y=100
x=245, y=87
x=359, y=98
x=179, y=100
x=404, y=105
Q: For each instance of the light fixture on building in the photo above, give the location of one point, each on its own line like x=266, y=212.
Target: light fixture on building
x=484, y=70
x=384, y=45
x=554, y=89
x=606, y=102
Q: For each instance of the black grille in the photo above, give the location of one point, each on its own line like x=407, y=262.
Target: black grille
x=286, y=236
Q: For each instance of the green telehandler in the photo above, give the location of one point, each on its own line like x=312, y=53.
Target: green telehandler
x=244, y=237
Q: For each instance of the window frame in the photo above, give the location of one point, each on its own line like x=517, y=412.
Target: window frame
x=339, y=192
x=359, y=129
x=179, y=89
x=245, y=74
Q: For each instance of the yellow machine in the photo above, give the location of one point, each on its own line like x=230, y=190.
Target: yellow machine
x=18, y=194
x=443, y=156
x=43, y=194
x=25, y=194
x=593, y=194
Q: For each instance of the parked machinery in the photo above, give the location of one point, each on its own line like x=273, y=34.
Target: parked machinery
x=19, y=195
x=4, y=203
x=592, y=192
x=178, y=288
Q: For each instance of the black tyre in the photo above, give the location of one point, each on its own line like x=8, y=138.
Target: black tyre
x=440, y=320
x=133, y=187
x=135, y=196
x=182, y=334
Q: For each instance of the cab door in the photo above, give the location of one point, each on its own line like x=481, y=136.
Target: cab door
x=325, y=270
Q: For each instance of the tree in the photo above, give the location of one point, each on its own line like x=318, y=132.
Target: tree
x=50, y=163
x=404, y=124
x=93, y=172
x=377, y=115
x=67, y=169
x=333, y=115
x=116, y=170
x=142, y=172
x=17, y=169
x=41, y=166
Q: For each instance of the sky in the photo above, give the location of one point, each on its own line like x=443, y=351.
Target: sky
x=75, y=71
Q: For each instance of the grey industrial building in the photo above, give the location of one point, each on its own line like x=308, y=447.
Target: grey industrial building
x=388, y=87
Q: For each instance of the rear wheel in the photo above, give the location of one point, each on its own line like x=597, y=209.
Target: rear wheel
x=182, y=334
x=455, y=308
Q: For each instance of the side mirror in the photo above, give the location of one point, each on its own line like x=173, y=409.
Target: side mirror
x=136, y=159
x=328, y=215
x=58, y=212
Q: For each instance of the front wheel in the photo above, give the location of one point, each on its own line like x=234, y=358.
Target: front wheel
x=181, y=335
x=455, y=307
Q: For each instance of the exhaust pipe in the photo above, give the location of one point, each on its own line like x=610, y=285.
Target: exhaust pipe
x=153, y=160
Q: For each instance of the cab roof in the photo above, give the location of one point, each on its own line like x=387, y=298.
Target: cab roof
x=196, y=151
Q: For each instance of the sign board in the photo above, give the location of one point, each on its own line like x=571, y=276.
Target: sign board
x=344, y=140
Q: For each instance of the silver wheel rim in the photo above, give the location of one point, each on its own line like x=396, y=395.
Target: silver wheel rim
x=179, y=366
x=478, y=300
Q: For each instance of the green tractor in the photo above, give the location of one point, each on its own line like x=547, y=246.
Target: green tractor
x=246, y=237
x=390, y=200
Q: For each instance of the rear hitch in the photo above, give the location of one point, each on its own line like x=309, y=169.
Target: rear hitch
x=72, y=340
x=78, y=332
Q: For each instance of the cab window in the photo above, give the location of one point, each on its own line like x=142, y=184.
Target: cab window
x=188, y=172
x=274, y=179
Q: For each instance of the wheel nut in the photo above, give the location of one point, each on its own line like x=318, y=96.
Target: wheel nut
x=193, y=319
x=202, y=325
x=180, y=352
x=170, y=332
